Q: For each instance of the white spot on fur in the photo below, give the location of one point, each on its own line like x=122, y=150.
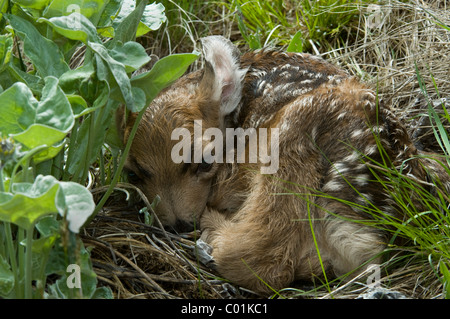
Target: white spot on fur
x=341, y=168
x=362, y=179
x=352, y=157
x=332, y=185
x=370, y=150
x=342, y=115
x=357, y=133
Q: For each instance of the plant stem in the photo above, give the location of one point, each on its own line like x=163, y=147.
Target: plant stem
x=71, y=149
x=29, y=262
x=21, y=258
x=12, y=256
x=91, y=137
x=2, y=186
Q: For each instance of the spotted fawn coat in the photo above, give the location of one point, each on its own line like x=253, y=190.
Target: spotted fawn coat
x=267, y=229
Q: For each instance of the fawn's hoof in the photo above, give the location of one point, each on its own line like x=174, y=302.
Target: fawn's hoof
x=204, y=253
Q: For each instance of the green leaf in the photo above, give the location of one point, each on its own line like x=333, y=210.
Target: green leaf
x=6, y=46
x=32, y=4
x=29, y=202
x=126, y=23
x=91, y=9
x=74, y=26
x=34, y=123
x=446, y=278
x=102, y=122
x=54, y=109
x=152, y=18
x=79, y=105
x=48, y=226
x=17, y=110
x=71, y=81
x=118, y=72
x=102, y=293
x=130, y=54
x=6, y=277
x=78, y=204
x=34, y=82
x=296, y=44
x=43, y=52
x=104, y=26
x=163, y=73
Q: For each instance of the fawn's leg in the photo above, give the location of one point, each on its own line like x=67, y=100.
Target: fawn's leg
x=261, y=246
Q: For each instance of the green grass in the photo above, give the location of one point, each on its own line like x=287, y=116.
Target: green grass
x=322, y=24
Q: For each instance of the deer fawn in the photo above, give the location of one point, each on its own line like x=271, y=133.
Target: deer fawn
x=270, y=227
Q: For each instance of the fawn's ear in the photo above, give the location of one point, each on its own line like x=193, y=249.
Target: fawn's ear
x=223, y=78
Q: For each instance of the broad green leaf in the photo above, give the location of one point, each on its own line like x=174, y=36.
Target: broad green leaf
x=32, y=4
x=71, y=81
x=48, y=226
x=35, y=123
x=34, y=82
x=6, y=277
x=3, y=6
x=37, y=135
x=6, y=46
x=74, y=26
x=152, y=17
x=54, y=109
x=296, y=44
x=130, y=54
x=17, y=110
x=78, y=104
x=126, y=24
x=118, y=71
x=48, y=153
x=163, y=73
x=78, y=204
x=91, y=9
x=104, y=26
x=29, y=202
x=44, y=53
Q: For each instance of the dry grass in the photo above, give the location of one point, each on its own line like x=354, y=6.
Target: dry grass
x=138, y=260
x=386, y=52
x=142, y=261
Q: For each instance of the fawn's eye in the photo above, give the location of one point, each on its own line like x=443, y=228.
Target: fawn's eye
x=132, y=177
x=204, y=167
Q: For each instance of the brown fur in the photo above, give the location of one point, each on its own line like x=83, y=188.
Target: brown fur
x=260, y=225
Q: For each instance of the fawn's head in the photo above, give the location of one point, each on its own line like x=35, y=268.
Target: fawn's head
x=208, y=95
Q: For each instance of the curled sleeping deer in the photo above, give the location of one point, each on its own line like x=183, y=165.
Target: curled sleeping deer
x=247, y=148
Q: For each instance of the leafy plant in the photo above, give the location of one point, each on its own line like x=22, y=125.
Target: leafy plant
x=55, y=123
